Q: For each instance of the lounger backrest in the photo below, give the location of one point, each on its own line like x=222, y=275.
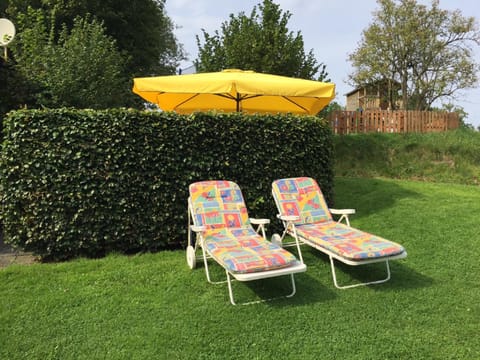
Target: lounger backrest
x=301, y=197
x=218, y=204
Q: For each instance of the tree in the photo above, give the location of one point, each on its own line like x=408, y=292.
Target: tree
x=82, y=68
x=462, y=114
x=48, y=57
x=142, y=29
x=87, y=50
x=330, y=108
x=14, y=89
x=428, y=51
x=261, y=42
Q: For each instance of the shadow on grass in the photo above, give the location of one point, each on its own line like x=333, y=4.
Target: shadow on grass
x=309, y=289
x=369, y=196
x=402, y=277
x=319, y=287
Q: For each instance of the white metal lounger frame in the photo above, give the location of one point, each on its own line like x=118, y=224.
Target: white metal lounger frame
x=288, y=222
x=200, y=241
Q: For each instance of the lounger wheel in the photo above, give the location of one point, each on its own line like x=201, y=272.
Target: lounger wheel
x=277, y=239
x=191, y=258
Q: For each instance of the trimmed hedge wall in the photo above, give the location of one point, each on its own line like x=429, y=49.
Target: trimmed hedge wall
x=85, y=183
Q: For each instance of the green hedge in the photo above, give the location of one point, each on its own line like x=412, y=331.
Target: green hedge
x=85, y=183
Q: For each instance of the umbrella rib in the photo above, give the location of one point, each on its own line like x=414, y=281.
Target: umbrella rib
x=245, y=97
x=228, y=96
x=293, y=102
x=186, y=100
x=239, y=98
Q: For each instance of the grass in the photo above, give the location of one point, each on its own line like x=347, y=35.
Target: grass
x=153, y=307
x=452, y=156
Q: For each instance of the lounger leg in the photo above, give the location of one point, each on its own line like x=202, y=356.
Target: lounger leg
x=294, y=231
x=294, y=289
x=205, y=262
x=232, y=300
x=207, y=272
x=189, y=227
x=230, y=291
x=360, y=284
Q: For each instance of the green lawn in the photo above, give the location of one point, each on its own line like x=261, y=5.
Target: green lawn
x=449, y=157
x=153, y=307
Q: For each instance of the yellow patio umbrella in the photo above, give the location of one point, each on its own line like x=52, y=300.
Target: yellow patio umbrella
x=235, y=90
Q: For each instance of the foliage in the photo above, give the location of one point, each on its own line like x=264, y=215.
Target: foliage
x=426, y=50
x=60, y=47
x=462, y=114
x=86, y=50
x=55, y=65
x=153, y=306
x=260, y=42
x=330, y=108
x=141, y=28
x=82, y=68
x=91, y=182
x=452, y=157
x=14, y=90
x=17, y=89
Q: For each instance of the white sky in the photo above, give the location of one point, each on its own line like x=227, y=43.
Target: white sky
x=332, y=29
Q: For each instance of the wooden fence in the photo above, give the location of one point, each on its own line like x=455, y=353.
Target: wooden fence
x=399, y=121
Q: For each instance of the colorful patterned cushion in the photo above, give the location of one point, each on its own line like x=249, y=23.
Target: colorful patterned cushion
x=242, y=250
x=301, y=197
x=229, y=238
x=218, y=204
x=350, y=243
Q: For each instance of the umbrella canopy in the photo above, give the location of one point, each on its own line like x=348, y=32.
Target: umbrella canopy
x=235, y=90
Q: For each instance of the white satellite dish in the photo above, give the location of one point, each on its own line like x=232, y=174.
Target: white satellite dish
x=7, y=32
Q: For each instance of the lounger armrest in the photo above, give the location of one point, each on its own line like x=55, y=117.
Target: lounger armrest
x=259, y=221
x=288, y=217
x=344, y=214
x=342, y=211
x=198, y=229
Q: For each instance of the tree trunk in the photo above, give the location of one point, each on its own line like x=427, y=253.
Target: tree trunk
x=404, y=91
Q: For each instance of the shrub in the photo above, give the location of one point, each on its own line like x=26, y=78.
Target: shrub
x=85, y=183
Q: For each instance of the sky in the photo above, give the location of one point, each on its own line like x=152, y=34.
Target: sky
x=331, y=29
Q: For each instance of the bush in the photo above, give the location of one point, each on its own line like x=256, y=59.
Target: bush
x=85, y=183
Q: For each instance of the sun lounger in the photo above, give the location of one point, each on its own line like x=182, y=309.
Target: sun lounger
x=220, y=226
x=307, y=218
